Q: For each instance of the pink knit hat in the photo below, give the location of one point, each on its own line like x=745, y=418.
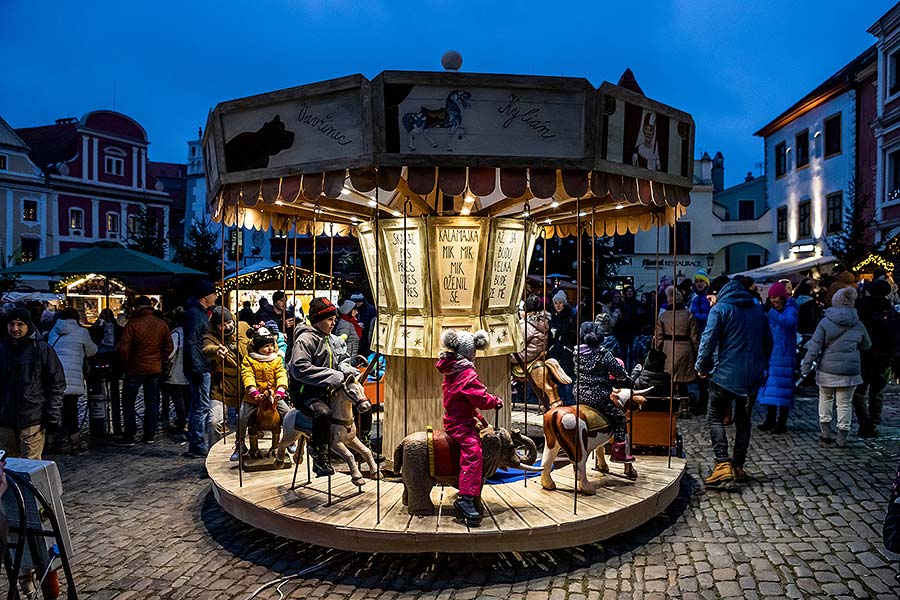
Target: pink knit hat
x=778, y=290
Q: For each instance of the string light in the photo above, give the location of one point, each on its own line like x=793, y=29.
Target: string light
x=276, y=274
x=874, y=259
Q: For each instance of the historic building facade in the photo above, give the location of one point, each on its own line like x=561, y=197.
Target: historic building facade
x=819, y=157
x=96, y=175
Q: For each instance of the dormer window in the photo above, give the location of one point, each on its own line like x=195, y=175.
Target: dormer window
x=113, y=165
x=114, y=161
x=76, y=221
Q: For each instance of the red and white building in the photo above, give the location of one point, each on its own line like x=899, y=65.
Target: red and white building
x=98, y=179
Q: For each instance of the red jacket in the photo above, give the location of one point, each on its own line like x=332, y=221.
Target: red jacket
x=463, y=392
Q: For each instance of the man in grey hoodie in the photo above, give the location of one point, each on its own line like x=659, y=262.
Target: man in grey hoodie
x=734, y=353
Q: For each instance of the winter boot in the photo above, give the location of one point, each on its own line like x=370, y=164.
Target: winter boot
x=825, y=433
x=723, y=473
x=781, y=426
x=321, y=461
x=620, y=453
x=740, y=475
x=74, y=444
x=842, y=435
x=465, y=506
x=769, y=423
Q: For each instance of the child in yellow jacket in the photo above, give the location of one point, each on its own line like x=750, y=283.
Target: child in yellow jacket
x=262, y=372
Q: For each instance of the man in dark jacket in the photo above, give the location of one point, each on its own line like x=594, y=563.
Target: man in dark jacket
x=883, y=325
x=143, y=348
x=196, y=367
x=32, y=385
x=278, y=312
x=734, y=353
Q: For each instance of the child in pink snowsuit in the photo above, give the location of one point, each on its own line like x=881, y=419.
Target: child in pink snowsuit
x=463, y=395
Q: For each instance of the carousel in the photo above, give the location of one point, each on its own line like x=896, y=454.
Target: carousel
x=450, y=180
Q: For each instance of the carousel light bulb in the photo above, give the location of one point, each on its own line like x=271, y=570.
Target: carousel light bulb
x=620, y=206
x=372, y=203
x=554, y=204
x=469, y=199
x=582, y=214
x=346, y=190
x=465, y=211
x=547, y=221
x=526, y=214
x=279, y=203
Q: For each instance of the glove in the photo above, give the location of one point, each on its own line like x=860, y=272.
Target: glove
x=279, y=394
x=359, y=361
x=348, y=369
x=253, y=393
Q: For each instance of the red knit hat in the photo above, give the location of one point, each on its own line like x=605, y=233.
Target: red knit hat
x=320, y=309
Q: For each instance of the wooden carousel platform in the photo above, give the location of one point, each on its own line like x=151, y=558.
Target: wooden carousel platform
x=518, y=517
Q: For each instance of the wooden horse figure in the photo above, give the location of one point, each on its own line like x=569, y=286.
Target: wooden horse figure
x=579, y=432
x=343, y=430
x=264, y=418
x=449, y=117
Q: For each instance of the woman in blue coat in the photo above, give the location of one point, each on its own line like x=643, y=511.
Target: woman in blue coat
x=777, y=395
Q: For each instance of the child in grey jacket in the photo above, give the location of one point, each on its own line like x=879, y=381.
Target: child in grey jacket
x=836, y=344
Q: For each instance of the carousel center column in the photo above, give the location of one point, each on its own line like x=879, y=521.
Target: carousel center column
x=439, y=273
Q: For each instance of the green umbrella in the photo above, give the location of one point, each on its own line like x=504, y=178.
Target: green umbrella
x=109, y=260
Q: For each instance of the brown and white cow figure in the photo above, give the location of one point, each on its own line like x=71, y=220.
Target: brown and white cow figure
x=567, y=427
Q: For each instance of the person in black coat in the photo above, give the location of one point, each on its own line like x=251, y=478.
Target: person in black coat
x=883, y=324
x=32, y=385
x=562, y=341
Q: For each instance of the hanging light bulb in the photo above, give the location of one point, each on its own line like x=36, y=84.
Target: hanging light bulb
x=469, y=199
x=554, y=204
x=620, y=206
x=465, y=211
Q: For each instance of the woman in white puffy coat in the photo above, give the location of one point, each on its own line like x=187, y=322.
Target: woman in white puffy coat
x=73, y=345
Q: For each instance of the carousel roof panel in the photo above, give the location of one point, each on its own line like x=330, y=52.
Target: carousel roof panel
x=447, y=143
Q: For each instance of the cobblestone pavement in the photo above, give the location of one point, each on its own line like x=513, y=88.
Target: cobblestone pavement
x=145, y=525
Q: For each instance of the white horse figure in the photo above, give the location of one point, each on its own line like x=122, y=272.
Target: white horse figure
x=343, y=431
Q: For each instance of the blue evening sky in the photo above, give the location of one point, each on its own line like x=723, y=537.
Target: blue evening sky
x=734, y=65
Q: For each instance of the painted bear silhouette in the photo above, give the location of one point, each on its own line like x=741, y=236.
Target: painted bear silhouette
x=252, y=149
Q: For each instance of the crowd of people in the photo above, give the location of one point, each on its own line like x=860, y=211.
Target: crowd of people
x=190, y=365
x=723, y=345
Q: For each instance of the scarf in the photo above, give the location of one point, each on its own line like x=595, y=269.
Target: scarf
x=355, y=322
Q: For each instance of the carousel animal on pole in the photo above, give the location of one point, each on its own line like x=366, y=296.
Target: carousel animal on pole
x=603, y=389
x=265, y=379
x=461, y=455
x=450, y=117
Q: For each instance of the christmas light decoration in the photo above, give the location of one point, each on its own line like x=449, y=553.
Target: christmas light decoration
x=276, y=275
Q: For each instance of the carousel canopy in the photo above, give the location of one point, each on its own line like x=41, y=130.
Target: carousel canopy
x=324, y=156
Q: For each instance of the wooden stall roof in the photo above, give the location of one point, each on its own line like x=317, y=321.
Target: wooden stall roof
x=322, y=157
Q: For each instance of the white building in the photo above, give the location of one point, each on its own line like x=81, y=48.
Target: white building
x=817, y=155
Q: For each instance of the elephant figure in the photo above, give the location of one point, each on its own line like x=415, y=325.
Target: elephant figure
x=500, y=448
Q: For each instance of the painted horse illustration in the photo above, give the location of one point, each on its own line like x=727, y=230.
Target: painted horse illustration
x=449, y=117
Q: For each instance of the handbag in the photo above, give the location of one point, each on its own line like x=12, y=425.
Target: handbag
x=825, y=347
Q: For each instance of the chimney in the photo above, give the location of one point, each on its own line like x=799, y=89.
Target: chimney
x=749, y=176
x=704, y=168
x=718, y=172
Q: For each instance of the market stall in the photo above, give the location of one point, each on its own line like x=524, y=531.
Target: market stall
x=448, y=179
